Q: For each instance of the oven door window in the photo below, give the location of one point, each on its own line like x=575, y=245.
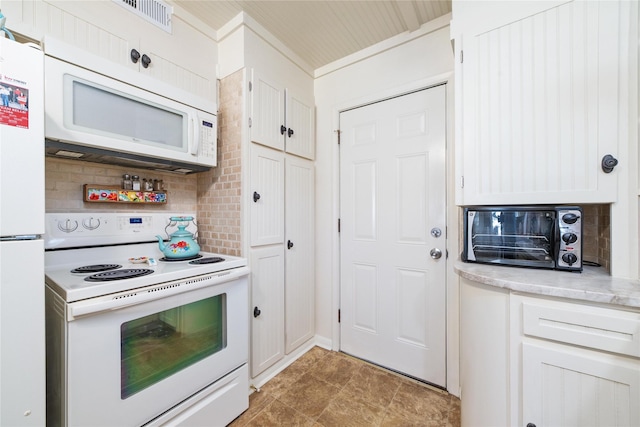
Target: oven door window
x=156, y=346
x=514, y=237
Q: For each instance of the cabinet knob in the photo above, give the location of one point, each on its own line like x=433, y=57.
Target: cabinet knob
x=289, y=244
x=608, y=163
x=531, y=425
x=290, y=132
x=256, y=312
x=135, y=55
x=145, y=61
x=283, y=129
x=256, y=196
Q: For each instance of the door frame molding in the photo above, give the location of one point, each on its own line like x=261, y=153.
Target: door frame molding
x=452, y=217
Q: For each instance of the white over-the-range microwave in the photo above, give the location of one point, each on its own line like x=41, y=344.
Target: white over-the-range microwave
x=102, y=117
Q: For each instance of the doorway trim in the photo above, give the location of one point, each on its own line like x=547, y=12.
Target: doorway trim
x=452, y=218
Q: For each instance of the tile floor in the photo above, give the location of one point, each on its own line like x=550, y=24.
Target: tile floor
x=331, y=389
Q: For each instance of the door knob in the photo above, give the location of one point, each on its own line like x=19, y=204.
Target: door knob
x=435, y=253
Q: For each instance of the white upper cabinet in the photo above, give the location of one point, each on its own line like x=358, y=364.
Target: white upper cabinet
x=542, y=98
x=281, y=118
x=184, y=59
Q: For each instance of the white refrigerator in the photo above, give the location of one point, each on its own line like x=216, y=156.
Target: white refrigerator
x=22, y=336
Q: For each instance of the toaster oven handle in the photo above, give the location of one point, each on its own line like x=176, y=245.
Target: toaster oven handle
x=151, y=293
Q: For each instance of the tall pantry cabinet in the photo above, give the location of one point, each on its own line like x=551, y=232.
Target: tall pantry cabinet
x=281, y=220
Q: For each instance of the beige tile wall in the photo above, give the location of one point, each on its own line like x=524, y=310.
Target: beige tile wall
x=64, y=180
x=597, y=234
x=219, y=191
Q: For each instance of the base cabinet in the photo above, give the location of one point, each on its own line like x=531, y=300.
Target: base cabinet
x=538, y=361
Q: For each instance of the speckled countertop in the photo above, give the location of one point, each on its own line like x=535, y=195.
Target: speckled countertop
x=593, y=284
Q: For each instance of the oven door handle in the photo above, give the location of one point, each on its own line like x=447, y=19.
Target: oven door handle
x=151, y=293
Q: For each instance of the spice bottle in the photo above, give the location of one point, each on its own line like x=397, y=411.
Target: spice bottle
x=136, y=182
x=157, y=185
x=147, y=184
x=127, y=184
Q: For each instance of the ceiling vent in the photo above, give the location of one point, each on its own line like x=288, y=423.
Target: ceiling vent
x=155, y=11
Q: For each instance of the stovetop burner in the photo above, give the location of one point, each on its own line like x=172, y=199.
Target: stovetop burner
x=127, y=273
x=96, y=268
x=165, y=259
x=209, y=260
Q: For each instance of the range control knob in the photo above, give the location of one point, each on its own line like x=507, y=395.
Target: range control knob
x=569, y=238
x=570, y=218
x=570, y=258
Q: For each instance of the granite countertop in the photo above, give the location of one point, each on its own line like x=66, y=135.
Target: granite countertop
x=594, y=284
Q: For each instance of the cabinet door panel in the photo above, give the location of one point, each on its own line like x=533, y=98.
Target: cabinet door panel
x=267, y=111
x=564, y=386
x=267, y=196
x=267, y=296
x=545, y=98
x=299, y=255
x=300, y=120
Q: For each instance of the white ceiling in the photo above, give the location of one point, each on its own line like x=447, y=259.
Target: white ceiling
x=321, y=32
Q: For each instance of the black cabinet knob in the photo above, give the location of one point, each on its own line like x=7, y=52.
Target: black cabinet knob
x=283, y=129
x=145, y=60
x=135, y=55
x=608, y=163
x=289, y=244
x=531, y=425
x=290, y=132
x=256, y=312
x=256, y=196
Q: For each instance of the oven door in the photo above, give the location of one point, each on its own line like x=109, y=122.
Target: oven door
x=508, y=236
x=130, y=362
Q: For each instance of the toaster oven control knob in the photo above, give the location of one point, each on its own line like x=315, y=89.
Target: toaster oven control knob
x=569, y=238
x=570, y=258
x=570, y=218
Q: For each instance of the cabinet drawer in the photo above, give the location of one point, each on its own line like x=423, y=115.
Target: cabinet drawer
x=599, y=328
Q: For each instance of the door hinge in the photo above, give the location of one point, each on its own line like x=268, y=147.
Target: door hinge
x=250, y=86
x=338, y=225
x=250, y=122
x=338, y=132
x=338, y=315
x=461, y=56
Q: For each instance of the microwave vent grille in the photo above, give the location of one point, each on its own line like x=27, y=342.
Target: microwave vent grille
x=155, y=11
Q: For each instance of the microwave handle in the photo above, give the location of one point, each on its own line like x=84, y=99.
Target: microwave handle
x=194, y=137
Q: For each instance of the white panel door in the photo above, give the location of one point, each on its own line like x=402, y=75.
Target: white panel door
x=567, y=387
x=267, y=111
x=392, y=194
x=267, y=299
x=266, y=196
x=300, y=126
x=299, y=252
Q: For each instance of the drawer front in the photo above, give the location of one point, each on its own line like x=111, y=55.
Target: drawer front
x=599, y=328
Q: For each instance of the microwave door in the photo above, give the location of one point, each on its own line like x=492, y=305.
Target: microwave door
x=522, y=238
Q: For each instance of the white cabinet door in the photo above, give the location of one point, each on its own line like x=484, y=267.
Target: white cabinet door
x=564, y=386
x=300, y=125
x=299, y=252
x=281, y=118
x=544, y=99
x=267, y=298
x=267, y=196
x=267, y=112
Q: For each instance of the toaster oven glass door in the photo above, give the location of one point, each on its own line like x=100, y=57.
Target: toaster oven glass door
x=524, y=238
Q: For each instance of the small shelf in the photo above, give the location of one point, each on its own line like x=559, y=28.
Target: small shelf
x=95, y=193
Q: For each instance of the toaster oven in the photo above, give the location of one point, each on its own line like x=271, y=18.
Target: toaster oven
x=524, y=236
